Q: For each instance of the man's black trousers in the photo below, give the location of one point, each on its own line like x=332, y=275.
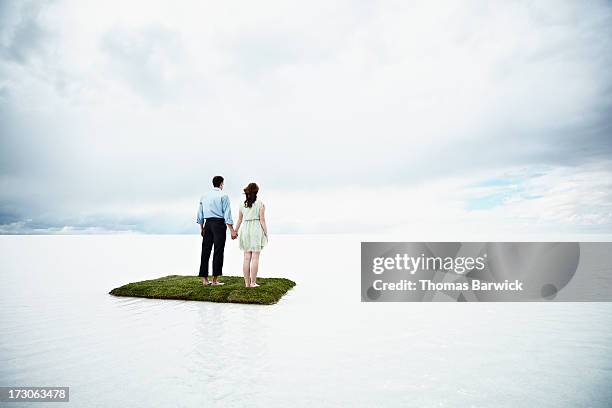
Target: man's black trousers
x=214, y=235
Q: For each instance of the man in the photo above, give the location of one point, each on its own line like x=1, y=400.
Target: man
x=214, y=214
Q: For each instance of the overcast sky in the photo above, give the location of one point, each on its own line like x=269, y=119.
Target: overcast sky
x=352, y=116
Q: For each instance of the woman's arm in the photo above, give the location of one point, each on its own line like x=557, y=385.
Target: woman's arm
x=262, y=219
x=239, y=221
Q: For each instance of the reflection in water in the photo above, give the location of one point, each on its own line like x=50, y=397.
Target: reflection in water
x=318, y=347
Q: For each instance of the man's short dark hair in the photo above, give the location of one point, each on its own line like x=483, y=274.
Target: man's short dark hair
x=217, y=180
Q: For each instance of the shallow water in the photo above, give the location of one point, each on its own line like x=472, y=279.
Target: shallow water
x=319, y=346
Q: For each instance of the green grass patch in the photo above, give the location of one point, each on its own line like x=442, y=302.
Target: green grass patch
x=179, y=287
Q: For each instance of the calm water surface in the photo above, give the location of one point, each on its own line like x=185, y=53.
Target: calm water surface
x=318, y=347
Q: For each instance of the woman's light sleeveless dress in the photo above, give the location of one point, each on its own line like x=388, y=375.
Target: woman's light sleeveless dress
x=251, y=235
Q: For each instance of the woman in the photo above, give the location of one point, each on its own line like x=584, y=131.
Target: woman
x=254, y=234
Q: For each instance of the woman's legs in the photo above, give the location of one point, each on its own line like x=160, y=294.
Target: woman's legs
x=245, y=268
x=254, y=268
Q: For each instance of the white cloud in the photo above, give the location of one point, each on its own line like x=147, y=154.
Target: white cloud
x=131, y=113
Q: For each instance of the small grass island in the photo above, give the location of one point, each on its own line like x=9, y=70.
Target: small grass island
x=179, y=287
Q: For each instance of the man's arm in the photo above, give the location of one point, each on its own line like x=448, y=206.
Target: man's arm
x=233, y=233
x=227, y=215
x=200, y=218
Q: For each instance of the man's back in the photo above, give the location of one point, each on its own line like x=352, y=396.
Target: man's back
x=214, y=204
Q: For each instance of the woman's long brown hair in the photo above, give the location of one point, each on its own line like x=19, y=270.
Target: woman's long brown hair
x=251, y=194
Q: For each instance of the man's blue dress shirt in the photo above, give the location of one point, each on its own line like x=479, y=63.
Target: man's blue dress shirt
x=215, y=204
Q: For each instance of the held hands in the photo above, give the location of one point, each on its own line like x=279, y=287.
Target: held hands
x=233, y=233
